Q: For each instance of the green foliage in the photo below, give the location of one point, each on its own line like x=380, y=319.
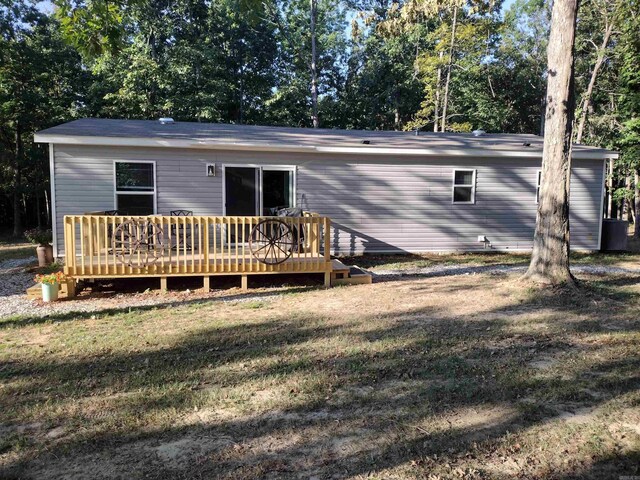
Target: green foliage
x=93, y=27
x=41, y=84
x=248, y=61
x=38, y=236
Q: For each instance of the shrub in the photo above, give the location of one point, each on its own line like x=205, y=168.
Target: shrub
x=38, y=236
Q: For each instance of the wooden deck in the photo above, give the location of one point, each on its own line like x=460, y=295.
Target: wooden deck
x=101, y=246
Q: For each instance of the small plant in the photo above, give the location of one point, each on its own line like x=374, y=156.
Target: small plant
x=38, y=236
x=52, y=268
x=50, y=278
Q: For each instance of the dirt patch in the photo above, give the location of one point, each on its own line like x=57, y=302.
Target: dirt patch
x=544, y=363
x=577, y=415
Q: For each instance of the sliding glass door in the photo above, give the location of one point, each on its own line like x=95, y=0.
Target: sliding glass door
x=241, y=191
x=258, y=190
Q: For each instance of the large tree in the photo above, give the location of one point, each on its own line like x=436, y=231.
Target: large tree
x=40, y=82
x=550, y=258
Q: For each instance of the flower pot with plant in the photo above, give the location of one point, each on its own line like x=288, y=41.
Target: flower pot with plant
x=44, y=250
x=50, y=285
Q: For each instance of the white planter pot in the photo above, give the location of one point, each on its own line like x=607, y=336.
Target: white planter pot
x=50, y=292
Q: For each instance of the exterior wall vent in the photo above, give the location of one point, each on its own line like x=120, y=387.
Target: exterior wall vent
x=166, y=120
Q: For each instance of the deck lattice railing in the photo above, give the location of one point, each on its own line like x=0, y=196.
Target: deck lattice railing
x=112, y=246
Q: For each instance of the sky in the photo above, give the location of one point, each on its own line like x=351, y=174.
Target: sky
x=46, y=6
x=507, y=4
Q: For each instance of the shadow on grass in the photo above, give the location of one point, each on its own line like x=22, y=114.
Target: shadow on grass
x=355, y=397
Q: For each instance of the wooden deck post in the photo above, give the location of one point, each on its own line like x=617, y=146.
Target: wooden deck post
x=71, y=288
x=206, y=284
x=244, y=282
x=327, y=279
x=163, y=284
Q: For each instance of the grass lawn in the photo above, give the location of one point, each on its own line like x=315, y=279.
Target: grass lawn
x=465, y=377
x=13, y=250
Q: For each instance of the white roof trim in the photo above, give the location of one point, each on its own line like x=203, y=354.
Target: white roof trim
x=361, y=150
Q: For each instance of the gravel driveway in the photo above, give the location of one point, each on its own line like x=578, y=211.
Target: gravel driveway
x=14, y=281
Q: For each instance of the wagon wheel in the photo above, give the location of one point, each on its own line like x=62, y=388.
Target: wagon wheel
x=138, y=243
x=271, y=242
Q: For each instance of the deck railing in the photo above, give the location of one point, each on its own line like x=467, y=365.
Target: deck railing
x=111, y=246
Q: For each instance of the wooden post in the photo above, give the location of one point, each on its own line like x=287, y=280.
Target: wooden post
x=71, y=288
x=163, y=284
x=206, y=284
x=327, y=239
x=327, y=279
x=244, y=282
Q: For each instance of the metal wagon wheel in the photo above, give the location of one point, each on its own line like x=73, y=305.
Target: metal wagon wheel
x=138, y=243
x=271, y=242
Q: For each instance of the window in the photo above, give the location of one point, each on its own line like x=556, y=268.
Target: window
x=538, y=183
x=254, y=190
x=464, y=186
x=135, y=188
x=276, y=190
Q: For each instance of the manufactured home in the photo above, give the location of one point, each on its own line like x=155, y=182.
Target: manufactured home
x=369, y=191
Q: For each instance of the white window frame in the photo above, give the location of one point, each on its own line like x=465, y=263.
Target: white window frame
x=538, y=185
x=259, y=169
x=117, y=192
x=472, y=185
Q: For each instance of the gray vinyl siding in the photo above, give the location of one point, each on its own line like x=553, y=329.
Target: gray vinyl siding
x=377, y=204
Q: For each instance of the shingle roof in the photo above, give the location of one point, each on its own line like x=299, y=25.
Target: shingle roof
x=216, y=135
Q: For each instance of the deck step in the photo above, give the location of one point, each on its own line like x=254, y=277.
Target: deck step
x=35, y=291
x=344, y=275
x=338, y=267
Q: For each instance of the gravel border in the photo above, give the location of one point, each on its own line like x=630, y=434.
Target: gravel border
x=14, y=281
x=449, y=270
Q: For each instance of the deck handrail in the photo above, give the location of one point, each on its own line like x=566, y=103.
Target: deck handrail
x=121, y=245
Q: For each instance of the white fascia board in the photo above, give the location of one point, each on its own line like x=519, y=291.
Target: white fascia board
x=52, y=199
x=356, y=150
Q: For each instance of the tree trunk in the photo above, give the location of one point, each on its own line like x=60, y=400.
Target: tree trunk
x=627, y=203
x=445, y=99
x=550, y=256
x=15, y=198
x=586, y=104
x=396, y=108
x=17, y=183
x=436, y=110
x=47, y=206
x=636, y=204
x=314, y=73
x=38, y=209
